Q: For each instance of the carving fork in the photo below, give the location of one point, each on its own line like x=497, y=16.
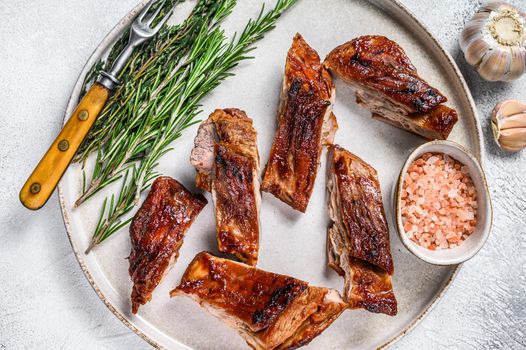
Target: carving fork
x=41, y=183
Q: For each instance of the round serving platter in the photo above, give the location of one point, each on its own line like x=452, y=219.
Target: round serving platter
x=292, y=243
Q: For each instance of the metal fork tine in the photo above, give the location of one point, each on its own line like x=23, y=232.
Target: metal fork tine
x=152, y=17
x=145, y=10
x=140, y=31
x=163, y=21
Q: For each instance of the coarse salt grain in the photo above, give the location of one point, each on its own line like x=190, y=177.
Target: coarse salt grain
x=439, y=202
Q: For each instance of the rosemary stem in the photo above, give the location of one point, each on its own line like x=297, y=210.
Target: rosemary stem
x=161, y=103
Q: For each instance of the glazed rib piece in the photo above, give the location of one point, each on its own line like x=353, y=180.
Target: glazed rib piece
x=227, y=162
x=157, y=233
x=270, y=311
x=305, y=123
x=358, y=238
x=387, y=83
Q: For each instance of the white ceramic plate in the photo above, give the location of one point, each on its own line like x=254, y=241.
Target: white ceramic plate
x=291, y=243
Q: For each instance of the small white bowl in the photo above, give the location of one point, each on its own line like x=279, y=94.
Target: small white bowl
x=476, y=240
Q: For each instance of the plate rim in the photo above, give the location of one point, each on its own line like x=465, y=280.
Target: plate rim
x=110, y=38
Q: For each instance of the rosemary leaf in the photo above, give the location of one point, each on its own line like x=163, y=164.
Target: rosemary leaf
x=163, y=105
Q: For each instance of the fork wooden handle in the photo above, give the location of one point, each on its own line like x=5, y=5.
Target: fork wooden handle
x=40, y=185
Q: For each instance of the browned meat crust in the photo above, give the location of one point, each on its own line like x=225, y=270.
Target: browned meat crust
x=358, y=238
x=441, y=120
x=227, y=162
x=304, y=118
x=236, y=208
x=362, y=209
x=157, y=233
x=269, y=310
x=383, y=65
x=372, y=288
x=387, y=83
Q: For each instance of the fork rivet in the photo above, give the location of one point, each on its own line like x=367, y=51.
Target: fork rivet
x=83, y=115
x=34, y=188
x=63, y=145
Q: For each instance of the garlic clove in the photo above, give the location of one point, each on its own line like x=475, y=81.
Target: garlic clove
x=475, y=51
x=496, y=131
x=470, y=33
x=492, y=5
x=494, y=65
x=517, y=64
x=514, y=121
x=513, y=140
x=508, y=122
x=481, y=17
x=508, y=108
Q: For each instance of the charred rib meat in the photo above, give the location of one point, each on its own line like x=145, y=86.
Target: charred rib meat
x=157, y=233
x=269, y=310
x=227, y=162
x=388, y=84
x=358, y=238
x=305, y=123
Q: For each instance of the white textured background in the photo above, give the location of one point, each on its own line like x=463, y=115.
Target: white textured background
x=45, y=301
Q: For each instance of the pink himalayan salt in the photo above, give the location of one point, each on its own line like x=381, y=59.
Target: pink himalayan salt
x=438, y=201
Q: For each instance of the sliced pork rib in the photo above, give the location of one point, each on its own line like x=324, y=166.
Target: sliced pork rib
x=157, y=233
x=358, y=238
x=270, y=311
x=305, y=123
x=227, y=162
x=387, y=83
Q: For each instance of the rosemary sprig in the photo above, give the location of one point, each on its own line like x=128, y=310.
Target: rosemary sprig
x=146, y=65
x=125, y=122
x=160, y=120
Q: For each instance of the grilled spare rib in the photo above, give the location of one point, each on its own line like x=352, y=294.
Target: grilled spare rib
x=305, y=123
x=358, y=238
x=270, y=311
x=157, y=233
x=387, y=83
x=227, y=161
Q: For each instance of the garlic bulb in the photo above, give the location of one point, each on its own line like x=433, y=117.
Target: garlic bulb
x=494, y=41
x=509, y=125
